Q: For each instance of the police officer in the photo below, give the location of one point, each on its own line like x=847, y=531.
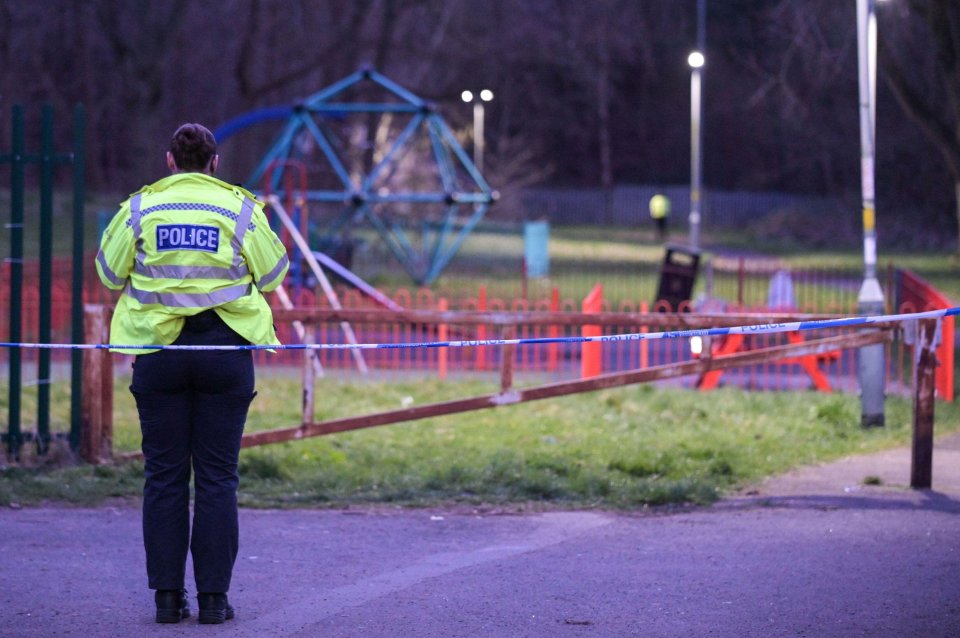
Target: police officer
x=193, y=256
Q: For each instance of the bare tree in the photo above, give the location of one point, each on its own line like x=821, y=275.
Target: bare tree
x=590, y=94
x=795, y=62
x=306, y=37
x=920, y=62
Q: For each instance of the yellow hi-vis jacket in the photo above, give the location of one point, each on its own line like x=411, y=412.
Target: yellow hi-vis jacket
x=185, y=244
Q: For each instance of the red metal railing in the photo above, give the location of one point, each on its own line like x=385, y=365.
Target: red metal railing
x=564, y=359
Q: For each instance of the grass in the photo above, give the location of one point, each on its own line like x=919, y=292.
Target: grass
x=939, y=267
x=626, y=448
x=627, y=261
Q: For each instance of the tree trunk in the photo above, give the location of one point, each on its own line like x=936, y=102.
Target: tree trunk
x=603, y=126
x=956, y=190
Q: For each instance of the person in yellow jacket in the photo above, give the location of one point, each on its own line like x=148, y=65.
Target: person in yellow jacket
x=193, y=256
x=660, y=212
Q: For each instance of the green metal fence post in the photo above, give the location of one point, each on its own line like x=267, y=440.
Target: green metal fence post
x=76, y=323
x=46, y=276
x=16, y=280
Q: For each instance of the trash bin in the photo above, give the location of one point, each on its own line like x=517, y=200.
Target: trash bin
x=677, y=276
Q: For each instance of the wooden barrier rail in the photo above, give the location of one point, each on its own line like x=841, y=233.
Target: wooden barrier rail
x=510, y=396
x=96, y=443
x=652, y=320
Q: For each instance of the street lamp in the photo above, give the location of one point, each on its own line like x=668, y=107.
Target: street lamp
x=871, y=362
x=485, y=95
x=696, y=62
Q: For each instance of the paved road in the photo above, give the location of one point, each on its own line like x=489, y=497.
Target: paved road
x=813, y=553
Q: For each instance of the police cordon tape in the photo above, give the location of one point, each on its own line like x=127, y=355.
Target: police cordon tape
x=766, y=328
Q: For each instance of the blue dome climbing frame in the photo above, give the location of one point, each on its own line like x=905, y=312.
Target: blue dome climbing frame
x=414, y=184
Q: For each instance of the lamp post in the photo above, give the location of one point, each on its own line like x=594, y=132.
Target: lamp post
x=696, y=61
x=485, y=95
x=871, y=365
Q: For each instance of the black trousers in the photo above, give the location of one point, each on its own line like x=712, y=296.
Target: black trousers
x=192, y=406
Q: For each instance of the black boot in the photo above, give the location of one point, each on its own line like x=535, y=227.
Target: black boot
x=214, y=608
x=171, y=605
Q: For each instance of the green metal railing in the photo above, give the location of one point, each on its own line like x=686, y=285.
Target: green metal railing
x=47, y=160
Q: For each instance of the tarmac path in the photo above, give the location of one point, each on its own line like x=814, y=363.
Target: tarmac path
x=812, y=553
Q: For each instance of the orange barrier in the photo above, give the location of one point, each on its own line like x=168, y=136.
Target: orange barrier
x=591, y=354
x=481, y=353
x=644, y=345
x=735, y=343
x=918, y=294
x=442, y=335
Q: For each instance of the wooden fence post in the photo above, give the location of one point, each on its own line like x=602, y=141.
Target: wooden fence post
x=309, y=372
x=553, y=331
x=924, y=384
x=507, y=354
x=96, y=437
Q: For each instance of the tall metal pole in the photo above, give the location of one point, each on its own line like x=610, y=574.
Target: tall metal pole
x=76, y=311
x=696, y=61
x=478, y=135
x=44, y=330
x=16, y=280
x=871, y=365
x=484, y=95
x=695, y=160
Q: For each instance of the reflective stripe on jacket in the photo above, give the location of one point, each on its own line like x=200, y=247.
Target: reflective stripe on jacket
x=184, y=244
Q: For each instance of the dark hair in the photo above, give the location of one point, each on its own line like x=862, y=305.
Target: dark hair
x=193, y=147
